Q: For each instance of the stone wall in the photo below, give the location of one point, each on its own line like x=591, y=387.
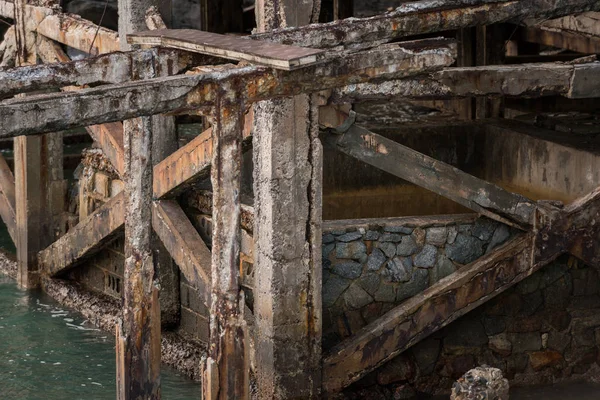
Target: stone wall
x=544, y=330
x=369, y=266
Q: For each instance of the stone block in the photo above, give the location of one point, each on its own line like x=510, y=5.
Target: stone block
x=347, y=269
x=418, y=283
x=371, y=312
x=456, y=366
x=530, y=284
x=501, y=235
x=465, y=249
x=407, y=247
x=557, y=294
x=525, y=324
x=327, y=249
x=452, y=233
x=493, y=324
x=391, y=237
x=385, y=293
x=426, y=354
x=400, y=368
x=328, y=238
x=426, y=257
x=404, y=392
x=399, y=269
x=333, y=289
x=466, y=332
x=443, y=268
x=524, y=342
x=370, y=283
x=349, y=237
x=356, y=297
x=399, y=229
x=437, y=236
x=552, y=272
x=484, y=228
x=419, y=235
x=372, y=235
x=388, y=248
x=481, y=383
x=559, y=320
x=352, y=250
x=500, y=344
x=376, y=260
x=532, y=302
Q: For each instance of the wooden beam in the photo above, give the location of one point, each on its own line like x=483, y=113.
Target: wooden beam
x=427, y=312
x=85, y=238
x=441, y=178
x=7, y=198
x=586, y=23
x=110, y=139
x=184, y=244
x=7, y=9
x=522, y=80
x=418, y=17
x=45, y=113
x=79, y=33
x=562, y=39
x=226, y=371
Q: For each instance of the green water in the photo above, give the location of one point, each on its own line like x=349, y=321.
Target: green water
x=48, y=352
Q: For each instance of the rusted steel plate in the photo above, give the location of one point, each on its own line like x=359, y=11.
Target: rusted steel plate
x=427, y=312
x=446, y=180
x=87, y=236
x=274, y=55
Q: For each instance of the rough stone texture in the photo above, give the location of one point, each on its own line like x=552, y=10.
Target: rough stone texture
x=481, y=383
x=426, y=257
x=465, y=249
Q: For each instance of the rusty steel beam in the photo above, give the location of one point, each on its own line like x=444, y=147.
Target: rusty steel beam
x=46, y=113
x=522, y=80
x=441, y=178
x=184, y=244
x=85, y=238
x=226, y=370
x=427, y=312
x=418, y=17
x=79, y=33
x=7, y=198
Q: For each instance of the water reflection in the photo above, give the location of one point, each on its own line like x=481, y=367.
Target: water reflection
x=48, y=352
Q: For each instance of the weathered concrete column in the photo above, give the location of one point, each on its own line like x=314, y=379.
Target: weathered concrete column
x=287, y=231
x=38, y=169
x=225, y=374
x=138, y=337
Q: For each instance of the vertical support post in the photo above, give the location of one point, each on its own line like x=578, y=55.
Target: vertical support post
x=38, y=170
x=138, y=336
x=343, y=9
x=227, y=367
x=287, y=231
x=489, y=51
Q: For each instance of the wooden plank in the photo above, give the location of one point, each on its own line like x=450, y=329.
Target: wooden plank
x=450, y=182
x=79, y=33
x=7, y=198
x=184, y=244
x=587, y=23
x=418, y=17
x=61, y=111
x=563, y=40
x=110, y=139
x=7, y=9
x=228, y=360
x=427, y=312
x=231, y=47
x=85, y=238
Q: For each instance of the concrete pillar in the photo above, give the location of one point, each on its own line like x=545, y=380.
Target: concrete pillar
x=287, y=231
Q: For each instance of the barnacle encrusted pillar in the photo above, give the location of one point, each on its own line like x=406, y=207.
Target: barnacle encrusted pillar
x=287, y=230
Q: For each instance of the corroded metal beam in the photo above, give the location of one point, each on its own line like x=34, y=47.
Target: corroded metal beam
x=523, y=80
x=87, y=236
x=418, y=17
x=46, y=113
x=427, y=312
x=446, y=180
x=184, y=244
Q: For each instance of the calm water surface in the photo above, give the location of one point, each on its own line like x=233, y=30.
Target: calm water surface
x=48, y=352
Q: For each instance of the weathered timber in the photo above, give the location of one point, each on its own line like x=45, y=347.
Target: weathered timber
x=586, y=23
x=7, y=198
x=154, y=20
x=50, y=52
x=201, y=200
x=523, y=80
x=79, y=33
x=287, y=157
x=51, y=112
x=104, y=69
x=420, y=17
x=8, y=48
x=562, y=39
x=226, y=370
x=7, y=9
x=110, y=138
x=446, y=180
x=230, y=47
x=184, y=244
x=425, y=313
x=85, y=238
x=188, y=164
